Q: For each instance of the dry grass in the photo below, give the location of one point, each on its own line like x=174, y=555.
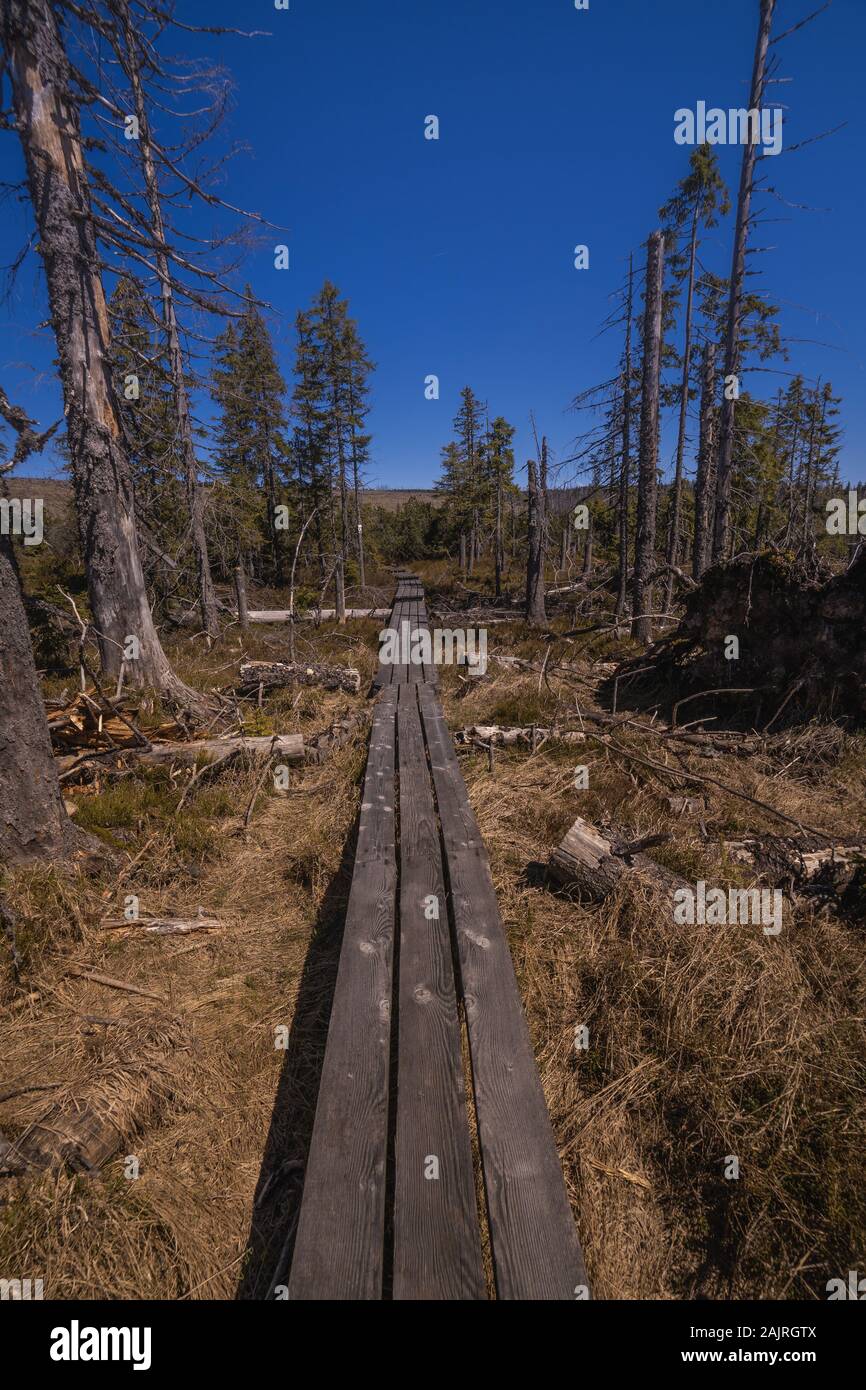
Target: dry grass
x=703, y=1042
x=181, y=1228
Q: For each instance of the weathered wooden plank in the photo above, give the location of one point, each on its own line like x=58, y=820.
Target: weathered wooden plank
x=437, y=1244
x=339, y=1247
x=535, y=1246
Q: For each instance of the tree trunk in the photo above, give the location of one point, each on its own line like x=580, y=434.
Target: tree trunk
x=498, y=540
x=462, y=552
x=705, y=482
x=48, y=126
x=587, y=549
x=722, y=538
x=626, y=450
x=674, y=536
x=356, y=487
x=340, y=590
x=241, y=592
x=33, y=819
x=811, y=469
x=535, y=609
x=644, y=561
x=792, y=470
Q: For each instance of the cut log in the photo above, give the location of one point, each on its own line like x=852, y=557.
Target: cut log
x=592, y=863
x=271, y=674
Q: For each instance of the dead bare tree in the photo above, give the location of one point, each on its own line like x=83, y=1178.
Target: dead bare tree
x=722, y=538
x=48, y=124
x=537, y=487
x=647, y=497
x=625, y=459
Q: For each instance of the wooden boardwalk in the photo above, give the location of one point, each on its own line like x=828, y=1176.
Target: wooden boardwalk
x=424, y=937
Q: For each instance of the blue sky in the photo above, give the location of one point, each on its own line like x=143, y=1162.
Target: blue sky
x=556, y=128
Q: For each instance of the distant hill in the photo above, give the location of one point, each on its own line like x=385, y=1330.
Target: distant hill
x=56, y=493
x=393, y=497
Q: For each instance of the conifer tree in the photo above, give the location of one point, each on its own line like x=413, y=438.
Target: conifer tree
x=499, y=470
x=469, y=428
x=251, y=446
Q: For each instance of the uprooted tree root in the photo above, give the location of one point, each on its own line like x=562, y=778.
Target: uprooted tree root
x=799, y=651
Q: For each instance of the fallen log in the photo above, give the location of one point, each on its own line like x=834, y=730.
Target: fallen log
x=531, y=735
x=288, y=746
x=285, y=615
x=88, y=1126
x=795, y=858
x=162, y=926
x=271, y=674
x=596, y=866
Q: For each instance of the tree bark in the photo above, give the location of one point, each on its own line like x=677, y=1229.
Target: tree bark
x=722, y=538
x=644, y=562
x=33, y=819
x=705, y=482
x=48, y=126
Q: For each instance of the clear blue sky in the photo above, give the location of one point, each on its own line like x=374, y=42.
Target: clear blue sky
x=457, y=255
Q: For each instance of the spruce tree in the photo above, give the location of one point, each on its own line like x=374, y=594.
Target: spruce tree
x=251, y=448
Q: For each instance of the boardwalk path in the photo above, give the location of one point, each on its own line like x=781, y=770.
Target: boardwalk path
x=395, y=1102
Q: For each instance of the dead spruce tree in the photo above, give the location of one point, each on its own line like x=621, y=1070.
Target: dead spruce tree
x=128, y=48
x=625, y=455
x=48, y=124
x=647, y=497
x=722, y=533
x=537, y=483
